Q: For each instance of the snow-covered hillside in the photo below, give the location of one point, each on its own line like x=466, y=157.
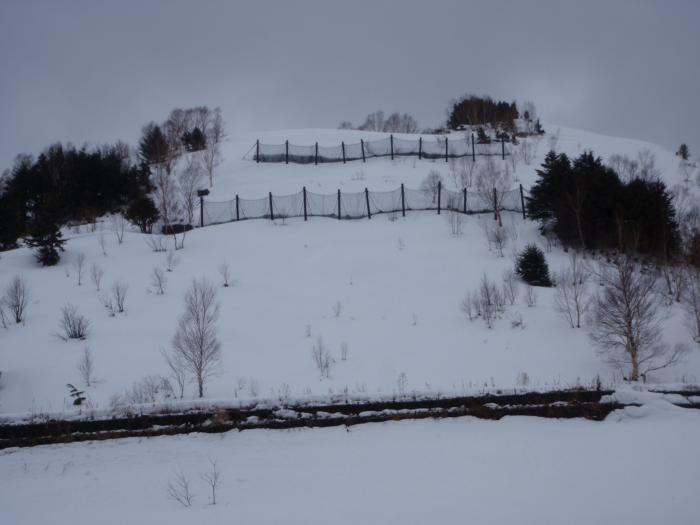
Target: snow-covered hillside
x=388, y=289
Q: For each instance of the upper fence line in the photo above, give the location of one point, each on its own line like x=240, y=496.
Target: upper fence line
x=440, y=148
x=363, y=204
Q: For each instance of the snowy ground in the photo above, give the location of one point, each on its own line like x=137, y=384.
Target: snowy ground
x=400, y=283
x=638, y=466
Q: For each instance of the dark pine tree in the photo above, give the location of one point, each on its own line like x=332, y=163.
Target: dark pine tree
x=153, y=146
x=194, y=140
x=143, y=213
x=532, y=267
x=683, y=151
x=45, y=234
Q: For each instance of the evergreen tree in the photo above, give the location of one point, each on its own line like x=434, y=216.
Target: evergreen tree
x=194, y=140
x=532, y=267
x=153, y=146
x=143, y=213
x=45, y=235
x=683, y=151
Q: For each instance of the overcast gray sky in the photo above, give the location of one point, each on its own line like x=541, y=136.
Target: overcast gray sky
x=96, y=71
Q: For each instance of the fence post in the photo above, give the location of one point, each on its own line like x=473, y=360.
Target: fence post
x=304, y=192
x=257, y=150
x=362, y=146
x=238, y=218
x=272, y=213
x=495, y=205
x=403, y=202
x=286, y=152
x=420, y=148
x=464, y=192
x=446, y=148
x=316, y=157
x=391, y=139
x=473, y=150
x=342, y=144
x=503, y=148
x=522, y=201
x=201, y=212
x=439, y=195
x=339, y=214
x=369, y=212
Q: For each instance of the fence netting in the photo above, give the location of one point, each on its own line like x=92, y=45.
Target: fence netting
x=439, y=147
x=357, y=205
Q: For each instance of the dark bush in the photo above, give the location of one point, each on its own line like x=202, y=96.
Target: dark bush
x=532, y=267
x=142, y=212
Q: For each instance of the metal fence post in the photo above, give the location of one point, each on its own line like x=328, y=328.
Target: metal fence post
x=369, y=212
x=272, y=213
x=391, y=139
x=286, y=152
x=473, y=150
x=362, y=146
x=339, y=213
x=257, y=150
x=503, y=148
x=464, y=191
x=522, y=200
x=495, y=205
x=304, y=192
x=439, y=195
x=201, y=212
x=446, y=139
x=420, y=148
x=316, y=157
x=403, y=202
x=238, y=218
x=342, y=145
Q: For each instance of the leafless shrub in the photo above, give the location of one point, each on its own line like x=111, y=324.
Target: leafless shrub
x=527, y=151
x=492, y=184
x=225, y=272
x=119, y=289
x=96, y=274
x=496, y=236
x=402, y=383
x=86, y=367
x=195, y=343
x=523, y=379
x=674, y=276
x=344, y=351
x=79, y=266
x=73, y=324
x=212, y=478
x=491, y=301
x=171, y=260
x=626, y=319
x=307, y=330
x=530, y=296
x=511, y=286
x=158, y=280
x=179, y=490
x=190, y=179
x=431, y=185
x=516, y=321
x=456, y=221
x=401, y=243
x=149, y=389
x=337, y=309
x=102, y=243
x=322, y=357
x=178, y=370
x=471, y=306
x=157, y=243
x=3, y=317
x=691, y=301
x=118, y=227
x=16, y=298
x=570, y=294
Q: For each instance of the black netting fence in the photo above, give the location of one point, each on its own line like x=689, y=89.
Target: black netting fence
x=439, y=147
x=363, y=204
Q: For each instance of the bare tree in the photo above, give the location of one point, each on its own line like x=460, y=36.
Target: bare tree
x=511, y=286
x=102, y=243
x=225, y=272
x=212, y=478
x=530, y=296
x=73, y=324
x=119, y=289
x=195, y=342
x=158, y=280
x=492, y=183
x=322, y=357
x=171, y=260
x=118, y=227
x=190, y=179
x=431, y=185
x=156, y=243
x=96, y=274
x=691, y=301
x=79, y=266
x=178, y=370
x=626, y=319
x=570, y=298
x=179, y=490
x=86, y=367
x=496, y=236
x=16, y=298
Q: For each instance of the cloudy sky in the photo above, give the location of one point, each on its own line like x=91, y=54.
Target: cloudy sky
x=96, y=71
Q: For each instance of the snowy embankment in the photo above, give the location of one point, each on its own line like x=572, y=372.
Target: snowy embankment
x=388, y=290
x=639, y=466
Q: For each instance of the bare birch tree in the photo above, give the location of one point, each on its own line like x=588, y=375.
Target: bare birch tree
x=492, y=183
x=79, y=266
x=626, y=320
x=189, y=181
x=570, y=294
x=86, y=367
x=195, y=342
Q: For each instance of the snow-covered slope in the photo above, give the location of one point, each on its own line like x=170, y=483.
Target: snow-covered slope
x=399, y=283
